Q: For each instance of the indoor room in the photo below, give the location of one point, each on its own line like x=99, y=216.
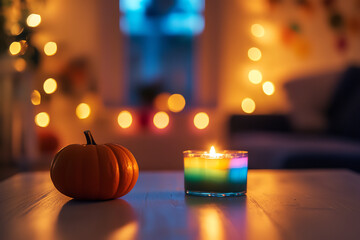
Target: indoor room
x=212, y=119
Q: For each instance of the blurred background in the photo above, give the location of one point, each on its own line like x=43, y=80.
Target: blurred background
x=279, y=78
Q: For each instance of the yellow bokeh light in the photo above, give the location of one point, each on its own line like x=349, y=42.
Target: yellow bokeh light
x=255, y=76
x=33, y=20
x=83, y=111
x=248, y=105
x=50, y=86
x=124, y=119
x=268, y=88
x=201, y=120
x=15, y=48
x=257, y=30
x=254, y=54
x=161, y=101
x=42, y=119
x=161, y=120
x=35, y=97
x=50, y=48
x=176, y=103
x=20, y=64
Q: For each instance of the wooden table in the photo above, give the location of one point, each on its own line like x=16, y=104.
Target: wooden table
x=316, y=204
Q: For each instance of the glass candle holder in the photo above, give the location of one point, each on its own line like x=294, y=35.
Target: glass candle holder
x=215, y=174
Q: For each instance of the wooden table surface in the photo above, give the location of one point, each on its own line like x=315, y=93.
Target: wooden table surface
x=316, y=204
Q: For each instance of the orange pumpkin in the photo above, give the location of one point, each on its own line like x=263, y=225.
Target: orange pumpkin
x=94, y=172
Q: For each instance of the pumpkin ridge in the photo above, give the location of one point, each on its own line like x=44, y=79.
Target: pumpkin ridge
x=81, y=174
x=98, y=171
x=117, y=147
x=75, y=185
x=117, y=169
x=108, y=195
x=132, y=168
x=134, y=163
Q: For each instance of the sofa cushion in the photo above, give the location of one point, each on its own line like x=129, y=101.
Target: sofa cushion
x=309, y=97
x=273, y=150
x=344, y=109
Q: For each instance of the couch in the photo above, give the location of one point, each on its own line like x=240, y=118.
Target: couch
x=322, y=129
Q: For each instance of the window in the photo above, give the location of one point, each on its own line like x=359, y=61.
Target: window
x=161, y=35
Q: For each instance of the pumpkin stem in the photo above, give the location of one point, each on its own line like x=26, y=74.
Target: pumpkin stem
x=89, y=138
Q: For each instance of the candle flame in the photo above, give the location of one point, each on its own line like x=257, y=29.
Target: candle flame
x=212, y=150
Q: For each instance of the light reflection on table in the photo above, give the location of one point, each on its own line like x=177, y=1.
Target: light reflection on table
x=278, y=205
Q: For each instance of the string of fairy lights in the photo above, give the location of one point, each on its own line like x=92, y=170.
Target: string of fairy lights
x=161, y=119
x=255, y=76
x=163, y=103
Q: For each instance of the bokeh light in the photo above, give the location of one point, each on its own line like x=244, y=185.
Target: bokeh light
x=15, y=48
x=124, y=119
x=20, y=64
x=255, y=76
x=50, y=48
x=161, y=101
x=176, y=103
x=35, y=97
x=248, y=105
x=254, y=54
x=257, y=30
x=268, y=88
x=16, y=29
x=161, y=120
x=33, y=20
x=42, y=119
x=201, y=120
x=23, y=46
x=83, y=111
x=50, y=86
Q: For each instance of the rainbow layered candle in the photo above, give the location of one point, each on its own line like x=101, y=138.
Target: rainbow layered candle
x=215, y=174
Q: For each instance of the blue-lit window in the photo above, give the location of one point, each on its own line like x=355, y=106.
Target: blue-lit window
x=160, y=47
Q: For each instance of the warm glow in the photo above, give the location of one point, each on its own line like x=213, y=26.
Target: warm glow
x=50, y=86
x=211, y=224
x=128, y=231
x=35, y=97
x=161, y=120
x=176, y=103
x=42, y=119
x=255, y=76
x=201, y=120
x=23, y=47
x=15, y=48
x=248, y=105
x=50, y=48
x=212, y=150
x=83, y=111
x=254, y=54
x=161, y=101
x=33, y=20
x=16, y=29
x=257, y=30
x=268, y=88
x=20, y=64
x=124, y=119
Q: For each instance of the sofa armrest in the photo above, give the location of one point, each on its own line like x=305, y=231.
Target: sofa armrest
x=247, y=123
